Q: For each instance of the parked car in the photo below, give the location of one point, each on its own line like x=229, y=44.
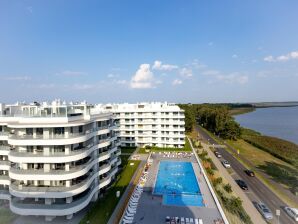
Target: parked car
x=249, y=173
x=264, y=210
x=217, y=154
x=242, y=184
x=226, y=164
x=292, y=212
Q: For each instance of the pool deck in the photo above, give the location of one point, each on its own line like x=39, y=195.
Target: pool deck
x=151, y=210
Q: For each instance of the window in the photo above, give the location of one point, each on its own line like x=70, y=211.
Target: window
x=59, y=131
x=29, y=148
x=39, y=131
x=29, y=131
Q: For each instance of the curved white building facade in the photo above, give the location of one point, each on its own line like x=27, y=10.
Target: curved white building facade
x=55, y=159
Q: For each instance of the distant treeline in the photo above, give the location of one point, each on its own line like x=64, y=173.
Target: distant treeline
x=218, y=119
x=214, y=117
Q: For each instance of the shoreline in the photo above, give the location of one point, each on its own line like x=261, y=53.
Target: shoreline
x=247, y=110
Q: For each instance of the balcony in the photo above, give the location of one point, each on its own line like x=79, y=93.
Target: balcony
x=4, y=150
x=61, y=139
x=21, y=208
x=4, y=165
x=57, y=157
x=20, y=190
x=3, y=136
x=58, y=174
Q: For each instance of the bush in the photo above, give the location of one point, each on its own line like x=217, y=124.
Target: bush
x=228, y=188
x=217, y=181
x=210, y=171
x=147, y=147
x=203, y=155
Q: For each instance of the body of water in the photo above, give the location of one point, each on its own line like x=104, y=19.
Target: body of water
x=177, y=183
x=281, y=122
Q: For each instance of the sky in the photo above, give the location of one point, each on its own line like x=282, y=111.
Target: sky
x=149, y=50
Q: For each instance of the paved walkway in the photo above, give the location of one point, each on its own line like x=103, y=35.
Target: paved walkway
x=247, y=204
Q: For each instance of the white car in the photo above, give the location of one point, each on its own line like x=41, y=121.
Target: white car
x=264, y=210
x=226, y=164
x=293, y=212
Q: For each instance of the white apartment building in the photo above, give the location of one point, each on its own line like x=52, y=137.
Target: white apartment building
x=154, y=124
x=55, y=158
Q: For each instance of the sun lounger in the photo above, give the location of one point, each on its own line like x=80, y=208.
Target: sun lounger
x=128, y=217
x=196, y=221
x=168, y=220
x=200, y=221
x=191, y=220
x=182, y=220
x=127, y=220
x=133, y=204
x=187, y=220
x=131, y=210
x=134, y=198
x=129, y=214
x=134, y=207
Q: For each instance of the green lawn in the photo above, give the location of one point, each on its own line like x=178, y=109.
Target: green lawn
x=186, y=148
x=282, y=149
x=129, y=150
x=279, y=171
x=104, y=207
x=6, y=215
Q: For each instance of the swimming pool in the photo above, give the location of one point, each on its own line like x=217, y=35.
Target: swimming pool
x=177, y=183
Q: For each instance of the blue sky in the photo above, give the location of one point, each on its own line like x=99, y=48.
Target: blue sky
x=132, y=51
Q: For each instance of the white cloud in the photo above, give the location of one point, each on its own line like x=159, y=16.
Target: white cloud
x=111, y=75
x=282, y=58
x=198, y=65
x=121, y=82
x=46, y=86
x=71, y=73
x=186, y=72
x=17, y=78
x=143, y=78
x=210, y=44
x=234, y=56
x=269, y=58
x=158, y=65
x=233, y=78
x=82, y=86
x=176, y=82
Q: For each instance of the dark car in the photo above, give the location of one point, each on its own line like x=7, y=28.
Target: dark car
x=249, y=173
x=242, y=184
x=217, y=154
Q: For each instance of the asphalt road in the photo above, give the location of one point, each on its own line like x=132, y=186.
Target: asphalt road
x=257, y=190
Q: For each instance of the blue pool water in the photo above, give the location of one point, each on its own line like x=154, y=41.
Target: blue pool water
x=177, y=183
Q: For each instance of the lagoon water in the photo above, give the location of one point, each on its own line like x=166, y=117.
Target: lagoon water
x=281, y=122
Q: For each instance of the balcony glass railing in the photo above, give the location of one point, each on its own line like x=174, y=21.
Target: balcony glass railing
x=58, y=136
